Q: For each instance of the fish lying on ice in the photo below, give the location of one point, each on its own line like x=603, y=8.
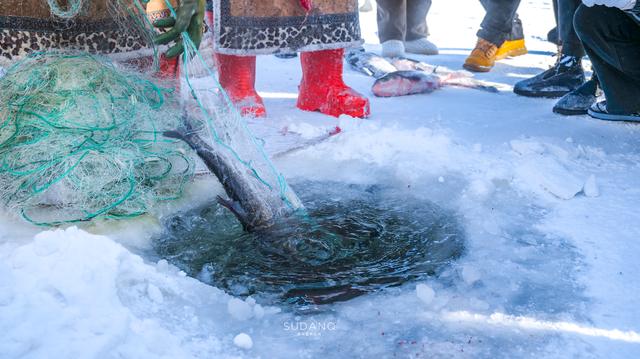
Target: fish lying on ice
x=256, y=205
x=401, y=83
x=369, y=63
x=404, y=76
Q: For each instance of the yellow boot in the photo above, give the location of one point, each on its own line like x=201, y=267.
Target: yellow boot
x=482, y=58
x=511, y=48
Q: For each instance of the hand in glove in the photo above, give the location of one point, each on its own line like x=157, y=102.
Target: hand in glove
x=620, y=4
x=189, y=18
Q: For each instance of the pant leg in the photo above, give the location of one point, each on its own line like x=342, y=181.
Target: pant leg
x=571, y=44
x=417, y=11
x=517, y=32
x=498, y=21
x=392, y=19
x=612, y=41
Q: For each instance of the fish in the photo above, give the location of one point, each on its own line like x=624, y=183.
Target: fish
x=369, y=63
x=256, y=205
x=410, y=76
x=402, y=83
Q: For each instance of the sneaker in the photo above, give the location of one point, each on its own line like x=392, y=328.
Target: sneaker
x=599, y=110
x=578, y=101
x=421, y=47
x=393, y=48
x=553, y=37
x=482, y=58
x=567, y=75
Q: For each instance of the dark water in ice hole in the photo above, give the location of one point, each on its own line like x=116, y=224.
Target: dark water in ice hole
x=356, y=240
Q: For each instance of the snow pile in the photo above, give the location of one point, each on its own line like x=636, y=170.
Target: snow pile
x=70, y=294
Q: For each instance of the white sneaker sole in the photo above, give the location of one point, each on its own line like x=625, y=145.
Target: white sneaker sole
x=613, y=117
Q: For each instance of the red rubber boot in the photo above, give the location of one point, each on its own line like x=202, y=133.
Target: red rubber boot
x=238, y=78
x=322, y=88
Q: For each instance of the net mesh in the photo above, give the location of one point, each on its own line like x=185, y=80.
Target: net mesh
x=81, y=135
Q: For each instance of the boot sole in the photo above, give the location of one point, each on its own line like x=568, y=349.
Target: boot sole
x=610, y=117
x=512, y=53
x=477, y=68
x=552, y=94
x=564, y=112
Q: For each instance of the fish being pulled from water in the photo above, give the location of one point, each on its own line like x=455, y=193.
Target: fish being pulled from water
x=404, y=76
x=256, y=205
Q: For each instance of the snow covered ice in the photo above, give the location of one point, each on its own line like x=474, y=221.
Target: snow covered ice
x=551, y=261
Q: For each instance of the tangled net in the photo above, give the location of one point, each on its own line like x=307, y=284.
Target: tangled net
x=73, y=8
x=84, y=137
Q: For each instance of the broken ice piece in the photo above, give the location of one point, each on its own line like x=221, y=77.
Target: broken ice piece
x=425, y=293
x=243, y=341
x=590, y=188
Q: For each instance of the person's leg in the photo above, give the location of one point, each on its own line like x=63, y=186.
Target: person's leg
x=417, y=11
x=498, y=22
x=392, y=20
x=237, y=75
x=567, y=74
x=495, y=29
x=323, y=89
x=392, y=26
x=416, y=37
x=571, y=44
x=612, y=41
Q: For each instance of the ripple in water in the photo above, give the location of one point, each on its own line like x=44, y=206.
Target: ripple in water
x=355, y=240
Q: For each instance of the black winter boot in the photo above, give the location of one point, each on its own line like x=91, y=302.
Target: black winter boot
x=566, y=76
x=578, y=101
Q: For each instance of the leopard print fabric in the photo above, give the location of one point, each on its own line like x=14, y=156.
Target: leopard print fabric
x=264, y=33
x=21, y=36
x=288, y=38
x=16, y=44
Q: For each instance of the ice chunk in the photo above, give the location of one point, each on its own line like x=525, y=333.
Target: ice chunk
x=239, y=309
x=470, y=274
x=425, y=293
x=243, y=341
x=155, y=294
x=590, y=188
x=551, y=176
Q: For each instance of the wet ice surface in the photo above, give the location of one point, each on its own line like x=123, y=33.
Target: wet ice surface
x=352, y=241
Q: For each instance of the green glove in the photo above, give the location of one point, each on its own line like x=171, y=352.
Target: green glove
x=189, y=18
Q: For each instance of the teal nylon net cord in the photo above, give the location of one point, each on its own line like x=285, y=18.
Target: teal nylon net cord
x=73, y=8
x=81, y=139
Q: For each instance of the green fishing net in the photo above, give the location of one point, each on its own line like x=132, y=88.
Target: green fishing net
x=81, y=138
x=81, y=134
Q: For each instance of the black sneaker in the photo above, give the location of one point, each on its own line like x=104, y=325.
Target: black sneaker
x=599, y=110
x=566, y=76
x=578, y=101
x=552, y=36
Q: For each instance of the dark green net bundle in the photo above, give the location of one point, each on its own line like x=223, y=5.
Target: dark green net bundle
x=81, y=138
